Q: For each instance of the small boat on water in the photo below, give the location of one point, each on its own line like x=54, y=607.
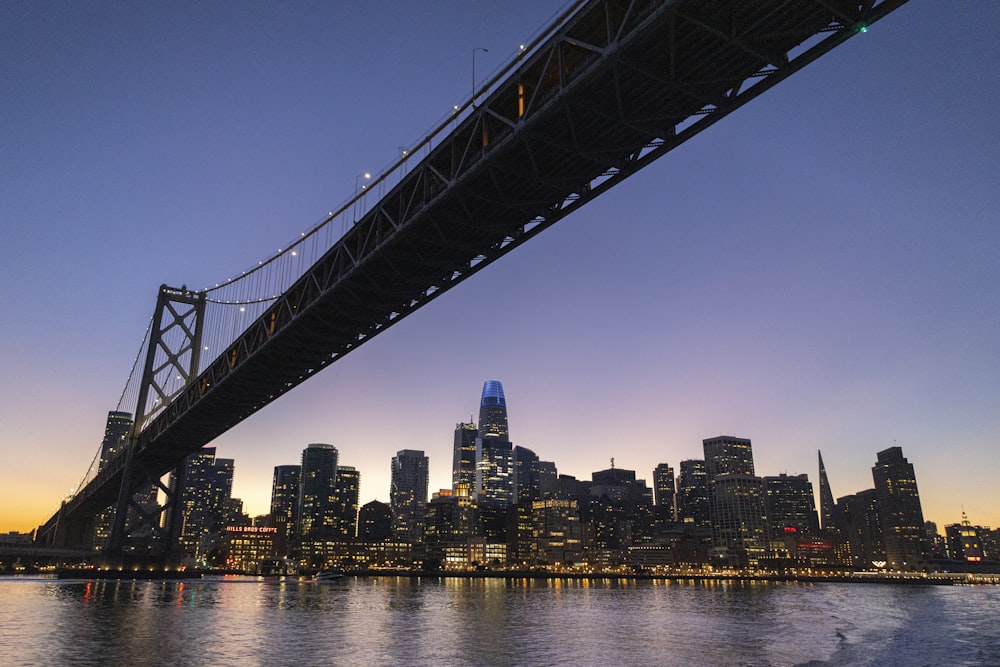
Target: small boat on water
x=328, y=576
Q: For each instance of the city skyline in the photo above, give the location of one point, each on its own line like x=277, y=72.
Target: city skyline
x=816, y=272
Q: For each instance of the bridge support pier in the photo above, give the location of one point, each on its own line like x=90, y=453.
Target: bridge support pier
x=172, y=364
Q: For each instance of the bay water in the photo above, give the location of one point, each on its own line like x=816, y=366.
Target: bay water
x=246, y=621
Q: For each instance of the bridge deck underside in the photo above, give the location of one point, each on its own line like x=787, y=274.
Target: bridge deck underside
x=615, y=88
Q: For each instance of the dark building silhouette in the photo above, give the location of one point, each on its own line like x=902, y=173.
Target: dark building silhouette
x=408, y=494
x=463, y=469
x=737, y=503
x=117, y=430
x=451, y=520
x=857, y=518
x=285, y=500
x=618, y=514
x=547, y=476
x=664, y=493
x=900, y=514
x=525, y=473
x=116, y=435
x=790, y=506
x=693, y=506
x=826, y=504
x=374, y=522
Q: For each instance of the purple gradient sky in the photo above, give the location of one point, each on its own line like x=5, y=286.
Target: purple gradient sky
x=818, y=271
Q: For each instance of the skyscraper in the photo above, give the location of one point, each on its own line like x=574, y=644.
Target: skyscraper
x=826, y=504
x=900, y=513
x=408, y=494
x=494, y=483
x=737, y=502
x=858, y=523
x=344, y=506
x=790, y=504
x=493, y=411
x=494, y=490
x=204, y=499
x=664, y=491
x=116, y=434
x=525, y=475
x=463, y=468
x=317, y=482
x=285, y=499
x=693, y=505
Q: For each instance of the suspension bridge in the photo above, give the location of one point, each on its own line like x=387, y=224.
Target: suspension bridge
x=604, y=90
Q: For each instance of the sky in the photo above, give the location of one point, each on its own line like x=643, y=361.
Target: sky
x=818, y=271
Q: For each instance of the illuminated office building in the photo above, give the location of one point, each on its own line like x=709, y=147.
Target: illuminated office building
x=900, y=513
x=736, y=500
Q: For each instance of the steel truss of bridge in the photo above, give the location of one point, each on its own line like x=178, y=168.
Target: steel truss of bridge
x=614, y=85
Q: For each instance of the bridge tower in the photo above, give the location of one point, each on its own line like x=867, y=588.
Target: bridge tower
x=173, y=355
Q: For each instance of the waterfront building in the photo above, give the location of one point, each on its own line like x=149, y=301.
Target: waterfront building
x=317, y=481
x=857, y=517
x=964, y=541
x=408, y=494
x=285, y=500
x=827, y=507
x=374, y=522
x=900, y=514
x=451, y=519
x=736, y=500
x=463, y=469
x=204, y=490
x=245, y=548
x=693, y=507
